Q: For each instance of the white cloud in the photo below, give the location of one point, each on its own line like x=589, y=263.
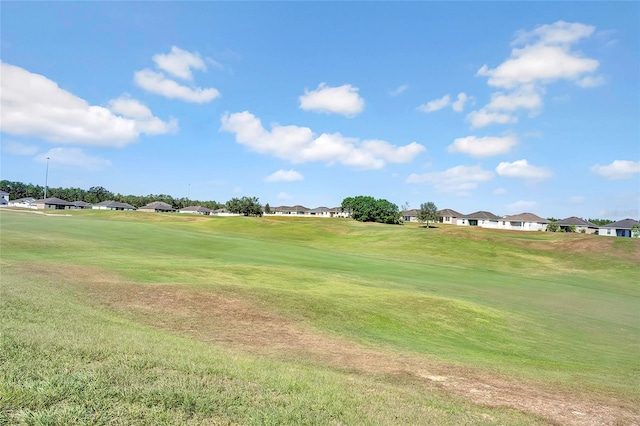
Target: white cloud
x=458, y=105
x=524, y=97
x=73, y=158
x=179, y=63
x=284, y=176
x=145, y=122
x=157, y=83
x=546, y=56
x=32, y=105
x=436, y=104
x=618, y=170
x=591, y=81
x=521, y=169
x=397, y=91
x=522, y=206
x=301, y=145
x=17, y=148
x=499, y=191
x=459, y=180
x=343, y=100
x=483, y=117
x=483, y=147
x=284, y=196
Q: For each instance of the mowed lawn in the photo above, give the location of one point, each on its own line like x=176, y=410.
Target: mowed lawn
x=128, y=317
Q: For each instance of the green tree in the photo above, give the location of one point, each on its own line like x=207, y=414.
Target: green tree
x=247, y=206
x=367, y=209
x=267, y=209
x=553, y=227
x=428, y=213
x=635, y=230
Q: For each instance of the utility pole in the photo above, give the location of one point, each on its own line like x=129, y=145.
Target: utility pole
x=46, y=179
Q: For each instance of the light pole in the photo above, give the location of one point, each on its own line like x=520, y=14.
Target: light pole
x=46, y=179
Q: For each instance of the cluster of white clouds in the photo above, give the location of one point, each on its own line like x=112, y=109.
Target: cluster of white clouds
x=461, y=180
x=179, y=64
x=284, y=176
x=445, y=101
x=618, y=169
x=300, y=145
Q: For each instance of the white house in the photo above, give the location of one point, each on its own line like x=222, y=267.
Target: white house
x=23, y=202
x=621, y=228
x=523, y=222
x=112, y=205
x=196, y=210
x=320, y=212
x=481, y=218
x=410, y=215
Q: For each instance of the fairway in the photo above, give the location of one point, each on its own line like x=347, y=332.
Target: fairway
x=130, y=317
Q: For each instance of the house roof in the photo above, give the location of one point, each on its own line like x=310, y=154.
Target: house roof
x=197, y=209
x=319, y=210
x=116, y=204
x=158, y=205
x=53, y=200
x=449, y=212
x=481, y=215
x=335, y=210
x=411, y=212
x=526, y=217
x=80, y=203
x=23, y=200
x=4, y=193
x=622, y=224
x=573, y=220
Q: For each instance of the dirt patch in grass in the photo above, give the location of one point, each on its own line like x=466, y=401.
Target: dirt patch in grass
x=215, y=315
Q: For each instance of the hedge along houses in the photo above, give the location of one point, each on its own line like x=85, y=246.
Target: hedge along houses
x=621, y=228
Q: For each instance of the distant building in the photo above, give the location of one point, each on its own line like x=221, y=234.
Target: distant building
x=524, y=222
x=410, y=215
x=581, y=225
x=81, y=205
x=196, y=210
x=4, y=198
x=449, y=216
x=52, y=204
x=25, y=202
x=112, y=205
x=621, y=228
x=481, y=218
x=157, y=207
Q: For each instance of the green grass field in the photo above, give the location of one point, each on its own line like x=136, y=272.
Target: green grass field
x=128, y=317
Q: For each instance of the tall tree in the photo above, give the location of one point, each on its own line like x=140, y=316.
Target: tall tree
x=367, y=209
x=428, y=213
x=247, y=206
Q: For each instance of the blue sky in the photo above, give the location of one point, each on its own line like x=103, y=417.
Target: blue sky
x=507, y=106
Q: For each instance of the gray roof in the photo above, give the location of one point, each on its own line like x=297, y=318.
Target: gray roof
x=80, y=203
x=4, y=193
x=158, y=205
x=481, y=215
x=319, y=210
x=53, y=200
x=573, y=220
x=411, y=212
x=526, y=217
x=23, y=200
x=449, y=212
x=197, y=209
x=622, y=224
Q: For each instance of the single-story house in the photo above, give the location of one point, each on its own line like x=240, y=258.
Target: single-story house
x=481, y=218
x=523, y=222
x=4, y=198
x=320, y=212
x=81, y=205
x=410, y=215
x=112, y=205
x=580, y=224
x=292, y=211
x=196, y=210
x=621, y=228
x=449, y=216
x=25, y=202
x=338, y=212
x=157, y=207
x=52, y=203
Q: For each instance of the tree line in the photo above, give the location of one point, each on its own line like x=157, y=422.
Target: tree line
x=98, y=194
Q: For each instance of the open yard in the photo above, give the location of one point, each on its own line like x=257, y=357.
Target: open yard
x=142, y=318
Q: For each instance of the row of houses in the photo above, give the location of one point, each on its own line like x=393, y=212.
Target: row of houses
x=484, y=219
x=527, y=222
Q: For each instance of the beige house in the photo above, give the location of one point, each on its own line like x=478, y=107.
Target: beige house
x=52, y=203
x=449, y=216
x=157, y=207
x=581, y=225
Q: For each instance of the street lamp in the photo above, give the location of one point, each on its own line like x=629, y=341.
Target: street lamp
x=46, y=179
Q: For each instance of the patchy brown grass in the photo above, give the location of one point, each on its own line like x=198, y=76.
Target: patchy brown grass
x=224, y=318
